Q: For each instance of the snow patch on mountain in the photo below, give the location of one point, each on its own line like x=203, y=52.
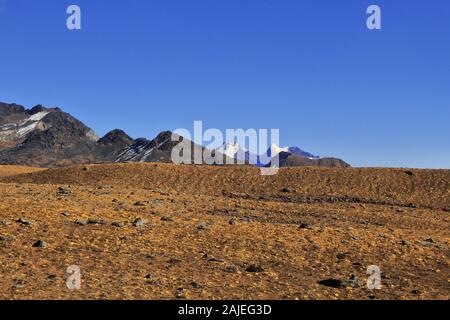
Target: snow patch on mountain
x=14, y=131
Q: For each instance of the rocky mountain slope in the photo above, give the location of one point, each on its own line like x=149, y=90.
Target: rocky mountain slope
x=49, y=137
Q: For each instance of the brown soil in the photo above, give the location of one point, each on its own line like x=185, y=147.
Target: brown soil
x=7, y=171
x=209, y=227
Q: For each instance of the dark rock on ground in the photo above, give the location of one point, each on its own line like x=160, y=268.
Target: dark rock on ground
x=140, y=222
x=40, y=244
x=305, y=226
x=118, y=224
x=254, y=268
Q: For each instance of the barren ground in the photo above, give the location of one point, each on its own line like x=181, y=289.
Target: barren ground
x=223, y=232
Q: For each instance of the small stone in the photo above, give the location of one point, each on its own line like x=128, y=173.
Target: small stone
x=140, y=222
x=415, y=291
x=400, y=210
x=118, y=224
x=409, y=173
x=341, y=256
x=149, y=276
x=80, y=222
x=139, y=204
x=180, y=294
x=65, y=214
x=64, y=191
x=429, y=240
x=231, y=268
x=95, y=221
x=232, y=221
x=166, y=218
x=305, y=226
x=202, y=226
x=173, y=261
x=24, y=222
x=254, y=268
x=404, y=242
x=212, y=259
x=196, y=285
x=6, y=238
x=352, y=282
x=287, y=190
x=40, y=244
x=51, y=277
x=447, y=209
x=18, y=284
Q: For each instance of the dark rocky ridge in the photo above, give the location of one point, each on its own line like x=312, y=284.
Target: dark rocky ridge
x=49, y=137
x=287, y=159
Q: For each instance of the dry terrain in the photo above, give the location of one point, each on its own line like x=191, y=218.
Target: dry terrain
x=160, y=231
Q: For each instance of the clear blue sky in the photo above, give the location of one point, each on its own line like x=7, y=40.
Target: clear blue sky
x=310, y=68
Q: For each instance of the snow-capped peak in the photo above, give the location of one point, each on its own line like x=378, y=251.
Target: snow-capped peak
x=231, y=149
x=275, y=150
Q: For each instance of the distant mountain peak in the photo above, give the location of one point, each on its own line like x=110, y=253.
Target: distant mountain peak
x=49, y=137
x=116, y=136
x=299, y=152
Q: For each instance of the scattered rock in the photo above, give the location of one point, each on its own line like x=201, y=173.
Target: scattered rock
x=287, y=190
x=51, y=277
x=341, y=256
x=196, y=285
x=118, y=224
x=202, y=226
x=305, y=226
x=180, y=294
x=65, y=214
x=353, y=282
x=166, y=218
x=95, y=221
x=404, y=242
x=80, y=222
x=63, y=191
x=148, y=276
x=24, y=222
x=40, y=244
x=231, y=268
x=254, y=268
x=6, y=238
x=400, y=210
x=213, y=259
x=232, y=221
x=173, y=261
x=429, y=240
x=5, y=222
x=447, y=209
x=140, y=222
x=18, y=284
x=139, y=203
x=415, y=291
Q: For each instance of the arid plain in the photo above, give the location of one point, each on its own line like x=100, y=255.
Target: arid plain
x=161, y=231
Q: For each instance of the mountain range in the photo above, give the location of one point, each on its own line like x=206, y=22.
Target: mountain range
x=50, y=137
